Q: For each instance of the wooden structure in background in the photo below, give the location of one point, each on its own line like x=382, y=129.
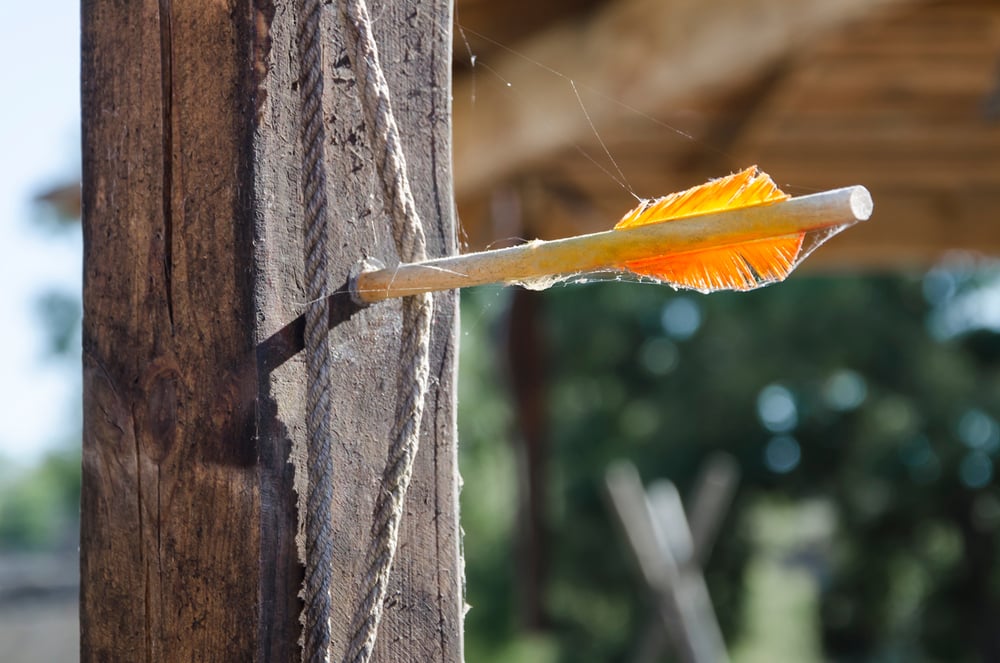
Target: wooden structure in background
x=909, y=104
x=193, y=383
x=671, y=549
x=903, y=97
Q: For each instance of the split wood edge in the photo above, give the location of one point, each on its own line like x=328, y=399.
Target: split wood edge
x=609, y=250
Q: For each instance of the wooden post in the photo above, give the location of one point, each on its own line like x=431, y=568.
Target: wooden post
x=193, y=379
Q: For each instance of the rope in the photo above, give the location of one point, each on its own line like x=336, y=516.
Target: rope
x=408, y=233
x=316, y=610
x=415, y=345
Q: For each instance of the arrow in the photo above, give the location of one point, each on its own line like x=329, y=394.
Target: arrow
x=734, y=233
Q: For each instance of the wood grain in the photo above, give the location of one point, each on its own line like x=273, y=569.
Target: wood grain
x=193, y=296
x=169, y=505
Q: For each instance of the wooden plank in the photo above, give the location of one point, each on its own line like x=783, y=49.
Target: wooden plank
x=914, y=227
x=193, y=296
x=940, y=26
x=691, y=547
x=506, y=22
x=808, y=169
x=713, y=493
x=690, y=593
x=873, y=96
x=657, y=530
x=907, y=133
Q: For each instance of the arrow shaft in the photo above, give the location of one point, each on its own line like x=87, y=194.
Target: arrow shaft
x=541, y=261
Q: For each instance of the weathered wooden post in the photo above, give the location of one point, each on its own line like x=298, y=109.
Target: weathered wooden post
x=193, y=300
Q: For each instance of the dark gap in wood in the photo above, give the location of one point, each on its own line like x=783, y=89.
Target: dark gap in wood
x=167, y=136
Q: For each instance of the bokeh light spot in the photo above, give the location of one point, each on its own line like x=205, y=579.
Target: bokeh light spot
x=939, y=285
x=845, y=390
x=979, y=431
x=681, y=318
x=658, y=356
x=776, y=408
x=975, y=470
x=782, y=454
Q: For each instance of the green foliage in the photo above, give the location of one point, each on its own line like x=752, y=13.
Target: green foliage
x=845, y=390
x=39, y=503
x=488, y=499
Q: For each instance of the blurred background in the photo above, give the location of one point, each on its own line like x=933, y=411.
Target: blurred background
x=40, y=268
x=853, y=409
x=857, y=403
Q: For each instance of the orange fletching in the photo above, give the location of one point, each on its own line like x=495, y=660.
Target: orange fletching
x=740, y=266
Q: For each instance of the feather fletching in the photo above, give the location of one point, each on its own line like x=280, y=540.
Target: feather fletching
x=740, y=266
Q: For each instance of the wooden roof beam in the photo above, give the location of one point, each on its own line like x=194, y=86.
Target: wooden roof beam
x=632, y=55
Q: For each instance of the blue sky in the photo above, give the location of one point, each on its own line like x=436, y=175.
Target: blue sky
x=39, y=146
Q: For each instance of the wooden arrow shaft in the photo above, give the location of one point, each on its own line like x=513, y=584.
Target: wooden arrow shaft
x=540, y=261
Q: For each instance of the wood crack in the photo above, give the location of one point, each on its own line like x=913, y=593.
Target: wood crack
x=146, y=598
x=167, y=129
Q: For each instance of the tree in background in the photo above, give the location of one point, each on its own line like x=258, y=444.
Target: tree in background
x=40, y=504
x=876, y=395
